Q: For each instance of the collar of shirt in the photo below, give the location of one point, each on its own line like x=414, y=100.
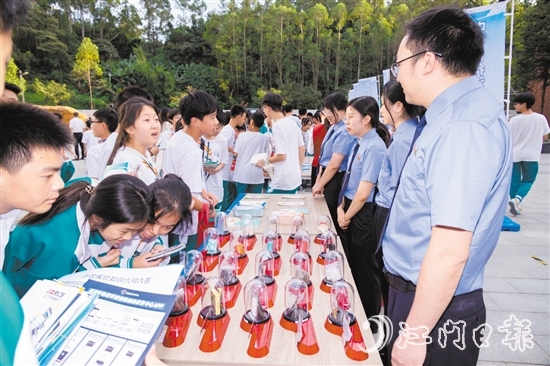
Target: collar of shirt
x=400, y=129
x=366, y=137
x=451, y=94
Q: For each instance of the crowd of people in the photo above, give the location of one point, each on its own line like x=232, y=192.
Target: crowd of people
x=416, y=188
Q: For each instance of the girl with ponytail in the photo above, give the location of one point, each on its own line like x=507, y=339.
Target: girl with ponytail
x=60, y=241
x=139, y=130
x=355, y=206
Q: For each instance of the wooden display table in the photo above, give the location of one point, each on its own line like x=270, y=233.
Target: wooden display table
x=283, y=350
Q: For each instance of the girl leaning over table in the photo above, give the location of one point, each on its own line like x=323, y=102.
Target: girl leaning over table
x=60, y=241
x=355, y=206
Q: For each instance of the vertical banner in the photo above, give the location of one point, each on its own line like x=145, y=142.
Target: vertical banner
x=386, y=75
x=365, y=87
x=492, y=20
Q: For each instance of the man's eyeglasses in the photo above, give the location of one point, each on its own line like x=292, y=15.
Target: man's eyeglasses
x=96, y=121
x=395, y=67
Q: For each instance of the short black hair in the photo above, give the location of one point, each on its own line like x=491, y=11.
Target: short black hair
x=75, y=114
x=26, y=128
x=12, y=87
x=13, y=13
x=302, y=111
x=335, y=102
x=273, y=101
x=197, y=104
x=220, y=116
x=109, y=116
x=525, y=97
x=451, y=32
x=258, y=119
x=237, y=110
x=130, y=92
x=173, y=112
x=288, y=108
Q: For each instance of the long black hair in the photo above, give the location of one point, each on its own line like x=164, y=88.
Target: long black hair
x=128, y=113
x=368, y=106
x=119, y=199
x=393, y=93
x=171, y=195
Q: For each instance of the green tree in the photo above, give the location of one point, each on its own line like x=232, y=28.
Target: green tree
x=87, y=64
x=340, y=16
x=53, y=91
x=362, y=15
x=12, y=76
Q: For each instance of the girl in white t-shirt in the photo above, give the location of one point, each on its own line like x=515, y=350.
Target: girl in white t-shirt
x=139, y=128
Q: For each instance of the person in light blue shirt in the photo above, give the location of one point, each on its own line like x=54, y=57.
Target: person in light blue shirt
x=403, y=118
x=333, y=158
x=355, y=210
x=448, y=208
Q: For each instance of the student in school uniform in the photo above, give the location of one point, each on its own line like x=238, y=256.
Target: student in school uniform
x=288, y=145
x=174, y=117
x=55, y=243
x=183, y=156
x=355, y=206
x=104, y=123
x=248, y=177
x=171, y=205
x=238, y=118
x=333, y=157
x=214, y=151
x=126, y=94
x=88, y=138
x=139, y=128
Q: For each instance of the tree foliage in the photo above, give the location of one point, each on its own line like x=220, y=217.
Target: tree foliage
x=12, y=76
x=87, y=65
x=54, y=92
x=305, y=49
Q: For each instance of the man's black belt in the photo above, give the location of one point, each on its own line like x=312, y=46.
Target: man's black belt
x=399, y=282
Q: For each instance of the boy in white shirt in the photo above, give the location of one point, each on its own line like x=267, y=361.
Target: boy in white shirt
x=104, y=123
x=183, y=155
x=528, y=130
x=288, y=145
x=248, y=177
x=77, y=128
x=215, y=151
x=238, y=118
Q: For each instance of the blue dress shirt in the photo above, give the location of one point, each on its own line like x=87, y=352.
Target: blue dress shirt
x=457, y=175
x=393, y=162
x=366, y=164
x=339, y=142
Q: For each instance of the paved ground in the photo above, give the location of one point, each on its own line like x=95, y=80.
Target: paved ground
x=515, y=283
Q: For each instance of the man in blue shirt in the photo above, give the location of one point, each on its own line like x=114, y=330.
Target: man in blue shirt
x=449, y=205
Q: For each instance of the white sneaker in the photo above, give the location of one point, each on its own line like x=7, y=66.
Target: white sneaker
x=515, y=206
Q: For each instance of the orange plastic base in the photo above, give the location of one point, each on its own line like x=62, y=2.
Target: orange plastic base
x=308, y=344
x=177, y=329
x=193, y=293
x=355, y=348
x=320, y=260
x=214, y=332
x=317, y=239
x=260, y=337
x=325, y=287
x=224, y=239
x=250, y=242
x=210, y=262
x=290, y=239
x=230, y=294
x=243, y=261
x=277, y=266
x=271, y=294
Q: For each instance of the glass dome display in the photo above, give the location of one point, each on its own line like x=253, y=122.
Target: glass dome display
x=296, y=301
x=227, y=267
x=211, y=241
x=264, y=269
x=212, y=303
x=255, y=302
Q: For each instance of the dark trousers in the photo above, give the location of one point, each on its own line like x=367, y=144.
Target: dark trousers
x=332, y=190
x=380, y=216
x=314, y=172
x=363, y=263
x=229, y=195
x=469, y=308
x=78, y=142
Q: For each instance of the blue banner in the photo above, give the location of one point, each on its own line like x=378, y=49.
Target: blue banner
x=492, y=20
